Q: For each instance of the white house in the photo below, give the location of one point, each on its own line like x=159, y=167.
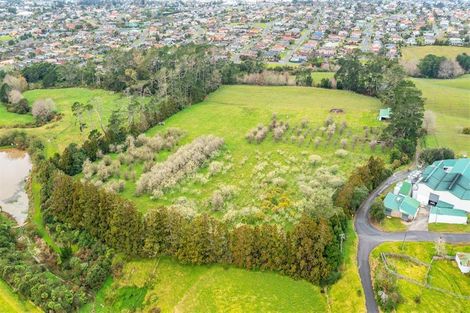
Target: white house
x=445, y=181
x=463, y=261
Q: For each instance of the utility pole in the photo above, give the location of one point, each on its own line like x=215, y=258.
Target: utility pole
x=403, y=243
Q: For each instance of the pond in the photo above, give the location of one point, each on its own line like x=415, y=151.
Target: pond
x=15, y=166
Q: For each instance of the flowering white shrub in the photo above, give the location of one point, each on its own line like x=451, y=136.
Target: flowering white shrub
x=184, y=161
x=314, y=159
x=341, y=153
x=257, y=134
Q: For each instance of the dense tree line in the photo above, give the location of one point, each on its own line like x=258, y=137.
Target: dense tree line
x=433, y=66
x=385, y=79
x=373, y=76
x=310, y=251
x=429, y=156
x=360, y=183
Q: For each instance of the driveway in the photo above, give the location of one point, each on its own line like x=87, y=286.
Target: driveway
x=370, y=237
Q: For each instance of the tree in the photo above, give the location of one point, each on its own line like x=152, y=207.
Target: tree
x=71, y=160
x=377, y=211
x=43, y=110
x=464, y=61
x=430, y=155
x=429, y=66
x=449, y=69
x=407, y=115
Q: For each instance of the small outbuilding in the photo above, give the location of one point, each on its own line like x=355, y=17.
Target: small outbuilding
x=385, y=114
x=463, y=261
x=401, y=206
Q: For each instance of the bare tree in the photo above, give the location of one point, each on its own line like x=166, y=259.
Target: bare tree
x=429, y=122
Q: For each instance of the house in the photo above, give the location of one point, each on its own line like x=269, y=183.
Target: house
x=401, y=206
x=384, y=114
x=463, y=261
x=446, y=181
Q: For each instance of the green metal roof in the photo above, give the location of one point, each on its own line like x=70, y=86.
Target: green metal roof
x=409, y=206
x=385, y=113
x=390, y=202
x=405, y=189
x=444, y=205
x=451, y=175
x=404, y=204
x=446, y=211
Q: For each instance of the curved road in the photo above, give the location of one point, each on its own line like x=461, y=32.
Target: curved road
x=370, y=237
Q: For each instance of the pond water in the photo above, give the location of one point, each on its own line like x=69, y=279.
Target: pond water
x=15, y=166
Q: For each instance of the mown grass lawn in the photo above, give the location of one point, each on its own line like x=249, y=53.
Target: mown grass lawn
x=417, y=53
x=57, y=135
x=392, y=224
x=449, y=100
x=232, y=111
x=449, y=228
x=443, y=274
x=9, y=119
x=11, y=303
x=173, y=287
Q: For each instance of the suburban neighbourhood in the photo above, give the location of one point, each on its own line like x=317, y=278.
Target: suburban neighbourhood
x=278, y=32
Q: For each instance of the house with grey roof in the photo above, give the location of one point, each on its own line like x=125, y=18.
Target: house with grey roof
x=445, y=181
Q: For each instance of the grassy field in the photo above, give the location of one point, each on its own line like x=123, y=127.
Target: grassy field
x=9, y=119
x=391, y=225
x=59, y=134
x=417, y=53
x=232, y=111
x=10, y=302
x=449, y=101
x=172, y=287
x=443, y=274
x=449, y=228
x=5, y=38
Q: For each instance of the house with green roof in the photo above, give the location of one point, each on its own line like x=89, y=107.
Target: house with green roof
x=445, y=181
x=463, y=261
x=385, y=114
x=401, y=206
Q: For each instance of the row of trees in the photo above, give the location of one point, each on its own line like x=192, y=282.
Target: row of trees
x=360, y=183
x=433, y=66
x=309, y=251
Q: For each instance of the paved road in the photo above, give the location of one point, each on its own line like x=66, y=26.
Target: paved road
x=370, y=237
